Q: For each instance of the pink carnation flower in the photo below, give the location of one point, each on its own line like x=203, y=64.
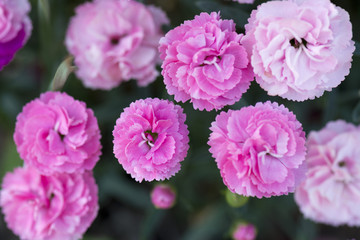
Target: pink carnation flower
x=331, y=191
x=56, y=207
x=151, y=139
x=163, y=196
x=56, y=133
x=244, y=231
x=299, y=48
x=259, y=149
x=205, y=63
x=15, y=28
x=122, y=49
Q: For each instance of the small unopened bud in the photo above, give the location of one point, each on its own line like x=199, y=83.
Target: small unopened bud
x=244, y=231
x=163, y=196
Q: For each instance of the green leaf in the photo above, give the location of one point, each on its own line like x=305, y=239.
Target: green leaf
x=356, y=113
x=357, y=49
x=239, y=104
x=86, y=237
x=10, y=158
x=151, y=222
x=130, y=193
x=44, y=10
x=212, y=221
x=331, y=105
x=62, y=74
x=239, y=16
x=306, y=230
x=10, y=106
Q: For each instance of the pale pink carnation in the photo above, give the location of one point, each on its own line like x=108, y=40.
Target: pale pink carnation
x=259, y=149
x=15, y=28
x=330, y=193
x=151, y=139
x=57, y=207
x=55, y=133
x=114, y=41
x=163, y=196
x=245, y=1
x=244, y=231
x=299, y=48
x=205, y=63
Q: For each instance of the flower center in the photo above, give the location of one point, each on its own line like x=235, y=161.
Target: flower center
x=296, y=44
x=115, y=39
x=212, y=60
x=342, y=164
x=57, y=130
x=149, y=138
x=61, y=136
x=52, y=195
x=47, y=202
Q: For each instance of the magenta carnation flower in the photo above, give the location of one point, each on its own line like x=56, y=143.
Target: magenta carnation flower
x=56, y=207
x=259, y=149
x=330, y=193
x=15, y=28
x=122, y=49
x=151, y=139
x=163, y=196
x=56, y=133
x=299, y=48
x=205, y=63
x=244, y=231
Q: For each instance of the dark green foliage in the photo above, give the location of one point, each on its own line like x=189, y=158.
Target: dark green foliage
x=201, y=211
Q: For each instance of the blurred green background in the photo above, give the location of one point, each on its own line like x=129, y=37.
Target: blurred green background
x=201, y=211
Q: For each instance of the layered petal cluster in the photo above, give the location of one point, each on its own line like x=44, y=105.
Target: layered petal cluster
x=244, y=231
x=151, y=139
x=205, y=63
x=122, y=49
x=259, y=149
x=163, y=196
x=299, y=48
x=15, y=28
x=57, y=207
x=56, y=133
x=330, y=193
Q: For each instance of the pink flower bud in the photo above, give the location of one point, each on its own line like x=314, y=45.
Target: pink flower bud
x=244, y=231
x=163, y=196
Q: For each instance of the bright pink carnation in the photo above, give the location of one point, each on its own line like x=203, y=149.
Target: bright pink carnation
x=151, y=139
x=244, y=232
x=56, y=207
x=115, y=41
x=331, y=191
x=163, y=196
x=299, y=48
x=15, y=28
x=259, y=149
x=205, y=63
x=56, y=133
